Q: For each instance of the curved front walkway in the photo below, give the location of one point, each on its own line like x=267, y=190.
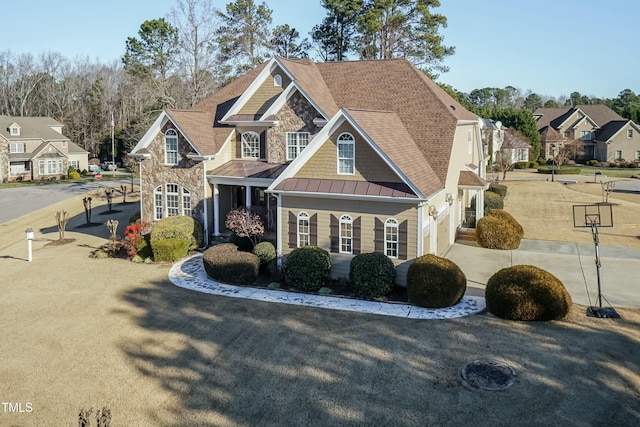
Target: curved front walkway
x=189, y=273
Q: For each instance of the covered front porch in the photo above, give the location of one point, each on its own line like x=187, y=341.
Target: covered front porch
x=242, y=183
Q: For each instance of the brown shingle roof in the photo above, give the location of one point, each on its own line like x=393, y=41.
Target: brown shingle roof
x=308, y=77
x=471, y=179
x=354, y=188
x=600, y=113
x=427, y=112
x=386, y=129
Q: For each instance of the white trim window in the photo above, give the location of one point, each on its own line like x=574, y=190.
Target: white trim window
x=346, y=154
x=346, y=234
x=277, y=80
x=49, y=167
x=15, y=131
x=585, y=135
x=391, y=238
x=17, y=147
x=304, y=228
x=157, y=203
x=629, y=133
x=171, y=147
x=637, y=155
x=173, y=200
x=250, y=145
x=74, y=164
x=618, y=155
x=296, y=142
x=186, y=202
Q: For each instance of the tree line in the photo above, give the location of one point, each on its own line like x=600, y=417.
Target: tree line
x=178, y=60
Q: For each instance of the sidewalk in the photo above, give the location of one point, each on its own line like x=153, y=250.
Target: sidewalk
x=572, y=263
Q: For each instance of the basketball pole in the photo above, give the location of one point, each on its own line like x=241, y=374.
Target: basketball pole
x=596, y=241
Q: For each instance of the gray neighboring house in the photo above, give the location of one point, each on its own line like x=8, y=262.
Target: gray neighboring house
x=34, y=148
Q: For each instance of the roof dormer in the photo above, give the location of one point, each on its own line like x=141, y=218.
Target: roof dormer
x=14, y=129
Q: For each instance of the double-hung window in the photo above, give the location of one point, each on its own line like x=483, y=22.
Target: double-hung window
x=157, y=203
x=304, y=227
x=346, y=154
x=171, y=147
x=630, y=133
x=346, y=234
x=186, y=202
x=391, y=238
x=17, y=147
x=173, y=200
x=296, y=142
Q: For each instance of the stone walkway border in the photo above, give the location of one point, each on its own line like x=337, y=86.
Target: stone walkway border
x=189, y=274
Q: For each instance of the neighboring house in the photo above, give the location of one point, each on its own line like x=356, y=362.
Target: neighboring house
x=492, y=133
x=498, y=140
x=353, y=157
x=34, y=148
x=605, y=135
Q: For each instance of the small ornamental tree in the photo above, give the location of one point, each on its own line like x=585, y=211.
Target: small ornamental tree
x=246, y=223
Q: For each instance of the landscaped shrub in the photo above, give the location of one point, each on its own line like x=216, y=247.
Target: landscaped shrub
x=506, y=216
x=306, y=268
x=521, y=165
x=496, y=233
x=491, y=201
x=266, y=252
x=243, y=243
x=525, y=292
x=499, y=189
x=533, y=165
x=178, y=227
x=74, y=175
x=592, y=162
x=564, y=170
x=170, y=250
x=226, y=263
x=372, y=275
x=435, y=282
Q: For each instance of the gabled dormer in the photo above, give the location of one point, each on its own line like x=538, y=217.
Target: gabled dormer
x=14, y=129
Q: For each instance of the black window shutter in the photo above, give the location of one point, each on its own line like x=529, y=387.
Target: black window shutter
x=293, y=230
x=402, y=240
x=356, y=236
x=378, y=240
x=238, y=145
x=313, y=230
x=334, y=234
x=263, y=145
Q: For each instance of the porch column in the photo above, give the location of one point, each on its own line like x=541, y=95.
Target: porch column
x=247, y=196
x=420, y=249
x=479, y=204
x=453, y=227
x=216, y=210
x=433, y=241
x=279, y=228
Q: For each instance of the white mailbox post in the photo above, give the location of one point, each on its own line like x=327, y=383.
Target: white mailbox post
x=29, y=232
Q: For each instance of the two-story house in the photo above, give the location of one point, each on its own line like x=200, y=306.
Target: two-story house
x=34, y=148
x=353, y=157
x=605, y=135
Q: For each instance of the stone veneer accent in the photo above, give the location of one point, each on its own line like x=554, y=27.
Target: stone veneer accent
x=187, y=173
x=295, y=116
x=4, y=162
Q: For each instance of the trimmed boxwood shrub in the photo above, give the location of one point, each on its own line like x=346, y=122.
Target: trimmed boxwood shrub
x=372, y=275
x=495, y=233
x=564, y=170
x=170, y=250
x=74, y=175
x=499, y=189
x=435, y=282
x=266, y=252
x=533, y=165
x=491, y=201
x=226, y=263
x=178, y=227
x=506, y=216
x=526, y=292
x=521, y=165
x=143, y=247
x=306, y=268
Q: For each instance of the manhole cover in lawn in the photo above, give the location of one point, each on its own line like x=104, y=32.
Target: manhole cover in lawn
x=488, y=375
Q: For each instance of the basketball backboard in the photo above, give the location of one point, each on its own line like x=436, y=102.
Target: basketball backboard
x=587, y=215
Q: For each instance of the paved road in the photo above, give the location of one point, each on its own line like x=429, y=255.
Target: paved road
x=18, y=201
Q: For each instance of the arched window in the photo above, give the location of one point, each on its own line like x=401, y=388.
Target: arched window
x=277, y=80
x=171, y=147
x=250, y=145
x=346, y=234
x=303, y=229
x=157, y=203
x=346, y=154
x=173, y=200
x=391, y=238
x=186, y=202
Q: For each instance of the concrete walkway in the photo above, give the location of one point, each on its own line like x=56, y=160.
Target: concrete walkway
x=572, y=263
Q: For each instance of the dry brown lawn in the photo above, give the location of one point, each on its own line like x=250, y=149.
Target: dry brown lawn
x=79, y=333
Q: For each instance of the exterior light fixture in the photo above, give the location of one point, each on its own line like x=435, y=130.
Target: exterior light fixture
x=29, y=232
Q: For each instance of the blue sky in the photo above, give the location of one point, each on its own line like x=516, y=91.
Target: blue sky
x=552, y=47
